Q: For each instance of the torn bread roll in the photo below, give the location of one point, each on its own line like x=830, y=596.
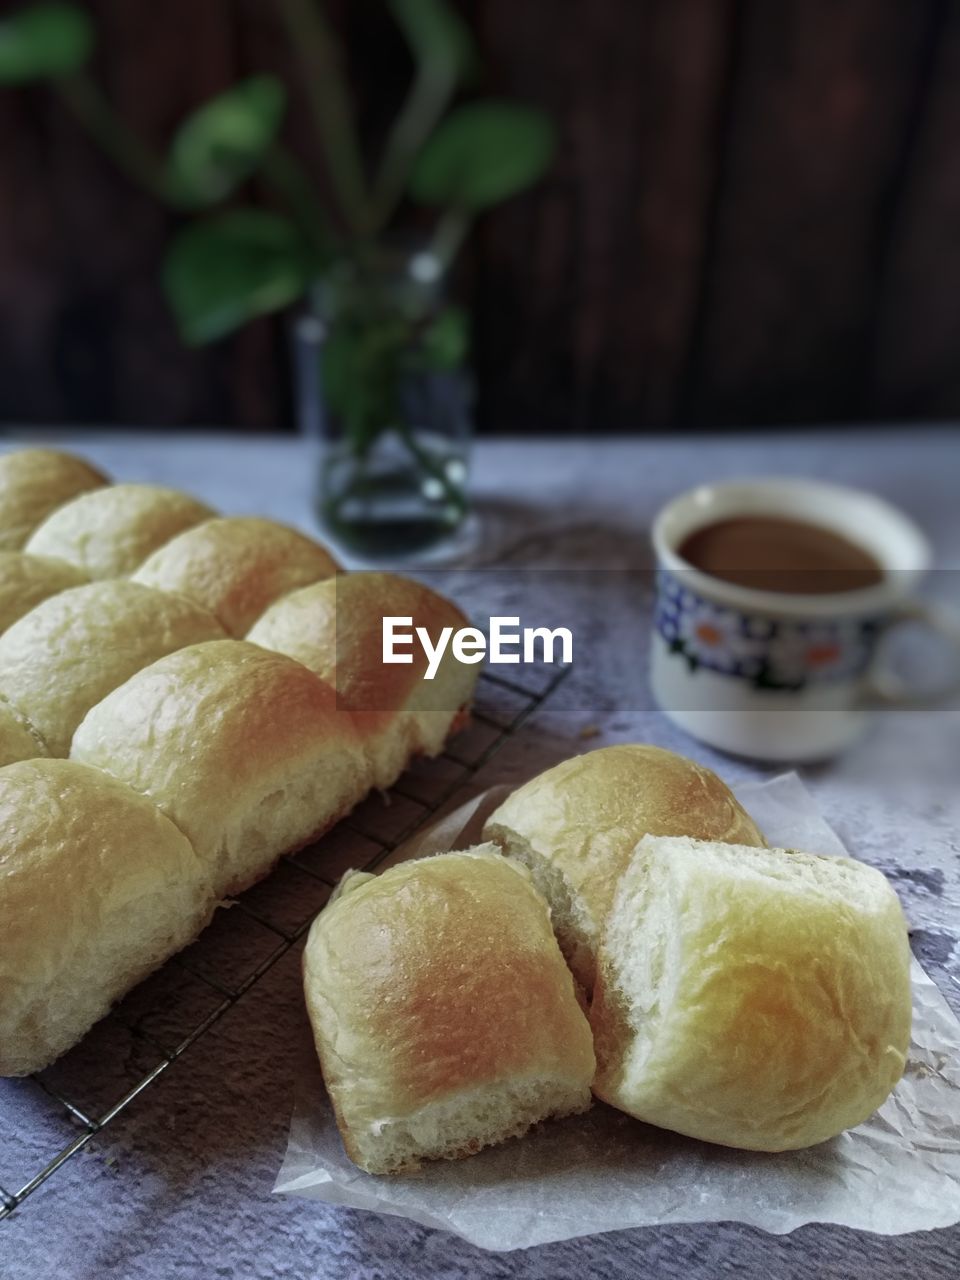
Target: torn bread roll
x=576, y=825
x=97, y=888
x=245, y=750
x=236, y=566
x=444, y=1016
x=336, y=629
x=74, y=648
x=26, y=581
x=757, y=998
x=110, y=532
x=33, y=483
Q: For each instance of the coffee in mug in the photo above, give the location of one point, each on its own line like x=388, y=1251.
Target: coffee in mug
x=771, y=553
x=772, y=599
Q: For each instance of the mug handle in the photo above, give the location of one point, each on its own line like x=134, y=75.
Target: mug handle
x=884, y=688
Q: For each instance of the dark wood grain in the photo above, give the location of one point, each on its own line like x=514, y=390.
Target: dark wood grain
x=586, y=287
x=753, y=217
x=916, y=372
x=821, y=101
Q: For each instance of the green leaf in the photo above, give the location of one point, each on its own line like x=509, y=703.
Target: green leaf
x=360, y=368
x=222, y=144
x=445, y=341
x=44, y=42
x=225, y=270
x=439, y=39
x=484, y=152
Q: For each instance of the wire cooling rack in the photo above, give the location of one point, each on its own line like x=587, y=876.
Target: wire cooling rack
x=157, y=1023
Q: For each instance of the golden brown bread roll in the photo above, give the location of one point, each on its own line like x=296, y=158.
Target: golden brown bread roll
x=577, y=824
x=97, y=888
x=27, y=580
x=237, y=565
x=444, y=1016
x=34, y=482
x=110, y=532
x=336, y=629
x=18, y=741
x=243, y=749
x=757, y=998
x=71, y=650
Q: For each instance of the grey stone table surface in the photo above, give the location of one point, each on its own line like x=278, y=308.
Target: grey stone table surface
x=180, y=1185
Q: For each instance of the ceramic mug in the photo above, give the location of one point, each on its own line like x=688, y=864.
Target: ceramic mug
x=775, y=675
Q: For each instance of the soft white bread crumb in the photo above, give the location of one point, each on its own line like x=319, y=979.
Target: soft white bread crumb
x=576, y=825
x=444, y=1016
x=757, y=998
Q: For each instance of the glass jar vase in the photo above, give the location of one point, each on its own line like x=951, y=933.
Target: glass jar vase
x=383, y=388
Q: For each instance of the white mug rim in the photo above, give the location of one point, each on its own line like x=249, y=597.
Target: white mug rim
x=868, y=600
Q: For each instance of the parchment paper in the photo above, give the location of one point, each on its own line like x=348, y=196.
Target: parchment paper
x=900, y=1171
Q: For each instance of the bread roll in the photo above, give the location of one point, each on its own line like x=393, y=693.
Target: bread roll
x=17, y=740
x=97, y=888
x=336, y=629
x=243, y=749
x=576, y=826
x=27, y=580
x=34, y=482
x=236, y=566
x=71, y=650
x=111, y=532
x=758, y=998
x=444, y=1016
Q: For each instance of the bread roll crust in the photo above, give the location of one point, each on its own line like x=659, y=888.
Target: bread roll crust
x=577, y=824
x=74, y=648
x=110, y=532
x=18, y=741
x=236, y=566
x=428, y=986
x=97, y=888
x=26, y=581
x=33, y=483
x=243, y=749
x=336, y=629
x=756, y=998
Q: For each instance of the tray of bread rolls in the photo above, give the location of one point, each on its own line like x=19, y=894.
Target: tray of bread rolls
x=189, y=703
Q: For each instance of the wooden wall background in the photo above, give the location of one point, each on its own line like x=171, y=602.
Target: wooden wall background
x=755, y=218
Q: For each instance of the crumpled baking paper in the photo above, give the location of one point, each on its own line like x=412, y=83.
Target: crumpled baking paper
x=900, y=1171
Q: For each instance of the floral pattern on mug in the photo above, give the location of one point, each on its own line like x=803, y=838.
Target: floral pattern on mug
x=714, y=637
x=770, y=653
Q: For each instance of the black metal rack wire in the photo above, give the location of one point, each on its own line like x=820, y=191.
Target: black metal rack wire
x=363, y=840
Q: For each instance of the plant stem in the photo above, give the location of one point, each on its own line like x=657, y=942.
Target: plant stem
x=127, y=151
x=451, y=231
x=426, y=460
x=282, y=171
x=321, y=61
x=421, y=112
